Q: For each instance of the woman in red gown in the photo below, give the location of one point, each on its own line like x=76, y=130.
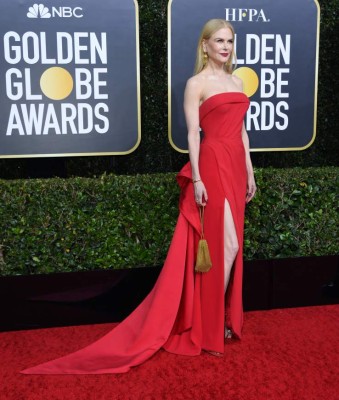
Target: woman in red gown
x=188, y=312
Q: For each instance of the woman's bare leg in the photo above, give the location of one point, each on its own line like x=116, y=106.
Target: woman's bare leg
x=231, y=248
x=231, y=245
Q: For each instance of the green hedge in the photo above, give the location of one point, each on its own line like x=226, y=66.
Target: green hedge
x=77, y=224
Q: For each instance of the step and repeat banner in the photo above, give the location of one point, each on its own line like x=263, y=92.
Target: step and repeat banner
x=70, y=84
x=277, y=58
x=69, y=78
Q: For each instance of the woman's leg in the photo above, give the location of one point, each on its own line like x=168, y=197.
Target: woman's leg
x=231, y=245
x=231, y=248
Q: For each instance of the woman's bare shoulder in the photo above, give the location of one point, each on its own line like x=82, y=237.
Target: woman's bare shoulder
x=196, y=80
x=197, y=83
x=194, y=84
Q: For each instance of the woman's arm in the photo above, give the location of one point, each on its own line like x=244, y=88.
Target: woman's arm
x=191, y=108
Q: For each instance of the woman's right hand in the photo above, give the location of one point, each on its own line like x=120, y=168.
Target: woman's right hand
x=200, y=193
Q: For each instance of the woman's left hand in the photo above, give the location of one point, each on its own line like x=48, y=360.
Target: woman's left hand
x=251, y=188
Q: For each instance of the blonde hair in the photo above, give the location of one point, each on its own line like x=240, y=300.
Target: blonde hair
x=212, y=26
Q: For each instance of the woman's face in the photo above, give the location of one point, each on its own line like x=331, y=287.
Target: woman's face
x=219, y=46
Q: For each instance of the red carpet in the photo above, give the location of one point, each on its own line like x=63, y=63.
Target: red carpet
x=285, y=354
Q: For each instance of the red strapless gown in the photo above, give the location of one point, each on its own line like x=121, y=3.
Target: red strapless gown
x=185, y=312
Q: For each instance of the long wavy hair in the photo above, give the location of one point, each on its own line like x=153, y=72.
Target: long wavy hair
x=212, y=26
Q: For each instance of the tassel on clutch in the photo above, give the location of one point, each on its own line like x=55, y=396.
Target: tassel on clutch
x=203, y=261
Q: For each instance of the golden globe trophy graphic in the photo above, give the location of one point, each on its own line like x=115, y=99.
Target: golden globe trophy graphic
x=56, y=83
x=249, y=78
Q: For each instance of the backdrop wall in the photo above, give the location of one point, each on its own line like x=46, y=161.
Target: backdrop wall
x=155, y=153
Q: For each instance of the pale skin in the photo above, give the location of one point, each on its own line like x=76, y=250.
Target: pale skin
x=213, y=79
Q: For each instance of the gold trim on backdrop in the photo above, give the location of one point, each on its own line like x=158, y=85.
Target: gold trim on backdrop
x=57, y=155
x=169, y=30
x=137, y=43
x=316, y=78
x=169, y=69
x=113, y=153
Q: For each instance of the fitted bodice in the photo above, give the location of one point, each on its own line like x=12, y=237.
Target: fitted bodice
x=221, y=116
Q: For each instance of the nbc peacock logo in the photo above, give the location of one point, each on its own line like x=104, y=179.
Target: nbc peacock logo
x=38, y=11
x=41, y=11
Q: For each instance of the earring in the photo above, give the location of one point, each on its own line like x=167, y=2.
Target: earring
x=205, y=58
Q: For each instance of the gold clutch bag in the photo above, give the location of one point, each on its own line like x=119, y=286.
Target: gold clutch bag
x=203, y=262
